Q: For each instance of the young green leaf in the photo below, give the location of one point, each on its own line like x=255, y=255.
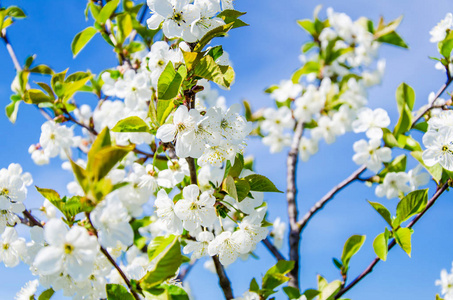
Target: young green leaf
x=351, y=247
x=47, y=294
x=81, y=39
x=403, y=238
x=413, y=203
x=383, y=211
x=170, y=81
x=380, y=244
x=166, y=264
x=131, y=124
x=118, y=292
x=405, y=95
x=260, y=183
x=107, y=11
x=208, y=69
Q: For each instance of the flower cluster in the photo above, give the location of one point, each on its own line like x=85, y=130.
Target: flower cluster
x=182, y=19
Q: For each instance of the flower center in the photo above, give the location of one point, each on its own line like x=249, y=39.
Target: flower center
x=68, y=248
x=5, y=246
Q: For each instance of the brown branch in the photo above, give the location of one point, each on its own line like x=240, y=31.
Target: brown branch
x=113, y=262
x=183, y=274
x=439, y=92
x=320, y=204
x=369, y=269
x=275, y=252
x=193, y=170
x=32, y=220
x=224, y=282
x=291, y=192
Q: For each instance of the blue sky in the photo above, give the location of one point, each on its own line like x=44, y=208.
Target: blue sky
x=263, y=54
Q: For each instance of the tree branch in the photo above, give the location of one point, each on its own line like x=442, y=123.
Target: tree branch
x=291, y=192
x=183, y=274
x=369, y=269
x=113, y=262
x=224, y=282
x=32, y=220
x=275, y=252
x=320, y=204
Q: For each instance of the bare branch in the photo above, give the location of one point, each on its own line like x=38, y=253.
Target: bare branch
x=273, y=249
x=291, y=192
x=224, y=282
x=320, y=204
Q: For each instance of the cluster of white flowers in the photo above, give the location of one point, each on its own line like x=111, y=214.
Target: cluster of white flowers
x=186, y=20
x=446, y=284
x=334, y=106
x=213, y=138
x=196, y=213
x=396, y=184
x=438, y=141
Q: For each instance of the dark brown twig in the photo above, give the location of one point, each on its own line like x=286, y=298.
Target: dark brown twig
x=272, y=249
x=223, y=278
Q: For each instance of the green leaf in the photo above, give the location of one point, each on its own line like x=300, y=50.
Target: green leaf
x=216, y=32
x=404, y=122
x=230, y=187
x=80, y=175
x=208, y=69
x=383, y=211
x=231, y=16
x=405, y=95
x=351, y=247
x=118, y=292
x=393, y=38
x=414, y=203
x=15, y=12
x=107, y=11
x=215, y=52
x=260, y=183
x=236, y=169
x=102, y=140
x=12, y=109
x=309, y=67
x=131, y=124
x=106, y=158
x=446, y=46
x=275, y=276
x=164, y=108
x=47, y=294
x=81, y=39
x=330, y=290
x=254, y=287
x=310, y=294
x=292, y=292
x=165, y=266
x=403, y=238
x=34, y=96
x=159, y=244
x=124, y=23
x=380, y=244
x=308, y=25
x=42, y=69
x=242, y=188
x=170, y=81
x=191, y=59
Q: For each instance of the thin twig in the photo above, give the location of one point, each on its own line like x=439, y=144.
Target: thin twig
x=224, y=282
x=370, y=267
x=320, y=204
x=438, y=94
x=32, y=220
x=183, y=274
x=273, y=249
x=291, y=192
x=113, y=262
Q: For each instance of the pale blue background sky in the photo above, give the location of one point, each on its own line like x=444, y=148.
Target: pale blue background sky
x=263, y=54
